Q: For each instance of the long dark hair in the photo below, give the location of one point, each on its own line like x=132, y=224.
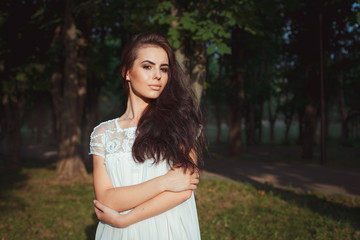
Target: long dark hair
x=172, y=125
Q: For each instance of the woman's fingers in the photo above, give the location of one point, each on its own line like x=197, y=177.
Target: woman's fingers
x=98, y=208
x=98, y=205
x=195, y=181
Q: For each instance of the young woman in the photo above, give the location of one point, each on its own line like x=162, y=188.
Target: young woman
x=146, y=161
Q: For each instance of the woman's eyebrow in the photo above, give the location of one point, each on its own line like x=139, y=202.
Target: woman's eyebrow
x=152, y=63
x=148, y=61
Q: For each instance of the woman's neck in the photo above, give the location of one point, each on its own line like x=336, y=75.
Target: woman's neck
x=134, y=109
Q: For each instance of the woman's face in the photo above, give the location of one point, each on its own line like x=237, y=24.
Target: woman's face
x=149, y=74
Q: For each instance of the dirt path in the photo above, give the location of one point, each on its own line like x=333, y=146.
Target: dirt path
x=326, y=179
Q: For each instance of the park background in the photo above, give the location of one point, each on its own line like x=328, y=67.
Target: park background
x=278, y=82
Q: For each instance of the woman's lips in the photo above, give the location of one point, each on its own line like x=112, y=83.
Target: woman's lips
x=155, y=87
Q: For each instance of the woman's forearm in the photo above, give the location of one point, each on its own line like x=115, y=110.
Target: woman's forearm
x=128, y=197
x=125, y=198
x=155, y=206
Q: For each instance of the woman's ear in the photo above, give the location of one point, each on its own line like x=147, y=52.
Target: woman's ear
x=127, y=78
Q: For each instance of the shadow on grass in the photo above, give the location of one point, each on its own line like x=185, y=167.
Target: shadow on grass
x=14, y=179
x=91, y=230
x=318, y=204
x=11, y=179
x=325, y=205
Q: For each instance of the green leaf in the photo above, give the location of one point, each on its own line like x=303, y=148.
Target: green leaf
x=211, y=49
x=39, y=13
x=165, y=5
x=176, y=44
x=21, y=77
x=223, y=49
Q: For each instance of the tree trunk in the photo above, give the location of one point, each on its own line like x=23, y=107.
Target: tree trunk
x=183, y=59
x=182, y=55
x=272, y=119
x=259, y=122
x=218, y=105
x=235, y=131
x=260, y=99
x=70, y=165
x=56, y=83
x=14, y=112
x=300, y=126
x=287, y=130
x=309, y=135
x=235, y=95
x=250, y=126
x=218, y=111
x=91, y=115
x=235, y=117
x=341, y=107
x=198, y=73
x=288, y=121
x=251, y=118
x=82, y=61
x=2, y=107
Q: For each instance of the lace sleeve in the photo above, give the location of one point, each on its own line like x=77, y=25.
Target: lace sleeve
x=97, y=141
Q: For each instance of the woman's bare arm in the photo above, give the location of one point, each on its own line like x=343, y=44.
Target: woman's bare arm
x=125, y=198
x=155, y=206
x=159, y=204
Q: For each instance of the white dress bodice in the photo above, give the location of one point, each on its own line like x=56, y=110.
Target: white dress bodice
x=114, y=144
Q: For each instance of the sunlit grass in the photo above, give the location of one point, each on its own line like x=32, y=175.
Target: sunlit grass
x=33, y=207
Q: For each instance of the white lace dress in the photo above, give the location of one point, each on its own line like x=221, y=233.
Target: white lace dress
x=114, y=144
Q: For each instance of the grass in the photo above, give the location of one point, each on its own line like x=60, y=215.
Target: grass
x=233, y=210
x=33, y=207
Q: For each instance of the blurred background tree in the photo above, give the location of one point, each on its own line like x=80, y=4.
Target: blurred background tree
x=252, y=65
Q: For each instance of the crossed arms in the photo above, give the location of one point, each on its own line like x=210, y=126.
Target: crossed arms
x=145, y=200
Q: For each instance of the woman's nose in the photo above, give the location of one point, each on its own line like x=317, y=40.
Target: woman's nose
x=157, y=74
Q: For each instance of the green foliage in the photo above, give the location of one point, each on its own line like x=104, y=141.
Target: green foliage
x=209, y=22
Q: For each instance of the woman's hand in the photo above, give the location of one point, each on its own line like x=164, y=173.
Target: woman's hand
x=110, y=216
x=176, y=180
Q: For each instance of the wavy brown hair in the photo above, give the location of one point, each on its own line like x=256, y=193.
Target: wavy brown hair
x=171, y=126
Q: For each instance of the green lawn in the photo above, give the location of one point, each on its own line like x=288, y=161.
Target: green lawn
x=33, y=207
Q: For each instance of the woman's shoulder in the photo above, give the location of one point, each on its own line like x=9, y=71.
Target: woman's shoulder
x=101, y=128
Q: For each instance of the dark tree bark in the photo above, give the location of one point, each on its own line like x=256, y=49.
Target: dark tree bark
x=288, y=121
x=14, y=112
x=70, y=165
x=235, y=117
x=83, y=97
x=218, y=106
x=300, y=113
x=235, y=96
x=309, y=134
x=182, y=53
x=198, y=73
x=250, y=126
x=259, y=122
x=91, y=115
x=2, y=108
x=272, y=120
x=342, y=109
x=56, y=82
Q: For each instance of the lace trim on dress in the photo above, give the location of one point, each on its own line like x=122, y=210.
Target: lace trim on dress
x=109, y=138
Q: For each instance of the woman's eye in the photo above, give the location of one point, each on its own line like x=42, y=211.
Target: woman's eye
x=147, y=67
x=165, y=70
